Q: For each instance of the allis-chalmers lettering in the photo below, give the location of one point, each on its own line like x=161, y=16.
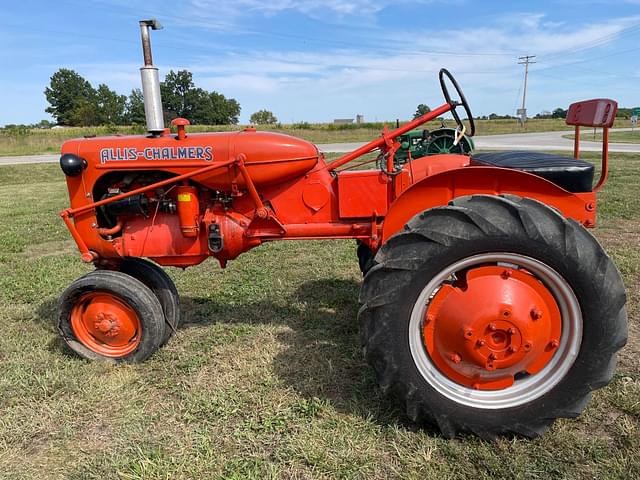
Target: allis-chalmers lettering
x=156, y=153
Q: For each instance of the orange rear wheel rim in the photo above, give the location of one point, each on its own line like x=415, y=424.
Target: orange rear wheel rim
x=106, y=324
x=495, y=330
x=498, y=321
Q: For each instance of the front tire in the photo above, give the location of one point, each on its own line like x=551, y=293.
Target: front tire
x=154, y=277
x=111, y=316
x=493, y=315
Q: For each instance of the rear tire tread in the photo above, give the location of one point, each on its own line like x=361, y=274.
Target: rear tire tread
x=425, y=236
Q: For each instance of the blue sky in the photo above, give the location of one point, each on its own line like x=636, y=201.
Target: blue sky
x=317, y=60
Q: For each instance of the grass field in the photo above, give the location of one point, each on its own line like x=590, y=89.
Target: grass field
x=33, y=142
x=265, y=378
x=614, y=137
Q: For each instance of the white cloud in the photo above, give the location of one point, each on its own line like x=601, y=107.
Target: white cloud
x=523, y=33
x=225, y=14
x=308, y=7
x=318, y=85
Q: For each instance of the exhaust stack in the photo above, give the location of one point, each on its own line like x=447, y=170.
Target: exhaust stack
x=151, y=81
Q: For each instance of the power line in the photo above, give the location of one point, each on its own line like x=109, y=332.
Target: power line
x=591, y=59
x=597, y=42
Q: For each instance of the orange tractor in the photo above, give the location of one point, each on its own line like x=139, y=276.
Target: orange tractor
x=487, y=306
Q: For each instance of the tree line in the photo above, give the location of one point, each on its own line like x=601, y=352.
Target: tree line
x=75, y=102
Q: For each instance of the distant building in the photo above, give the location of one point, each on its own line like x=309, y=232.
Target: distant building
x=359, y=119
x=343, y=121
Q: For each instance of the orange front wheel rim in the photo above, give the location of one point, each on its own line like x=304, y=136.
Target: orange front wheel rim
x=106, y=324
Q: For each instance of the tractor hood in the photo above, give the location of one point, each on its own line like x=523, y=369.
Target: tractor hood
x=270, y=157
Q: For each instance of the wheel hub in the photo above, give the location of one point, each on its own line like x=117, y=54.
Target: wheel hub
x=106, y=324
x=491, y=324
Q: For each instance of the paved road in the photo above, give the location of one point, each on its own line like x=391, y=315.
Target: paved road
x=513, y=141
x=549, y=141
x=521, y=141
x=29, y=159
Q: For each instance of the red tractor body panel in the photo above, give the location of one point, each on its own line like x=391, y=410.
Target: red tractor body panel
x=249, y=187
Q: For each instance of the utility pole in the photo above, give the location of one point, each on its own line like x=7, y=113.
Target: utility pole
x=526, y=61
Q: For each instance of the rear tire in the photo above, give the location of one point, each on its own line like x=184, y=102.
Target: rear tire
x=162, y=286
x=111, y=316
x=415, y=341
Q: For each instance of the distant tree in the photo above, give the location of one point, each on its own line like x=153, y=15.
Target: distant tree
x=181, y=98
x=624, y=112
x=111, y=106
x=66, y=93
x=201, y=107
x=43, y=124
x=75, y=102
x=263, y=117
x=495, y=116
x=421, y=110
x=135, y=107
x=559, y=113
x=85, y=113
x=226, y=111
x=543, y=115
x=176, y=91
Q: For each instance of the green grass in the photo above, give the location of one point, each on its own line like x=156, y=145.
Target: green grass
x=614, y=137
x=265, y=379
x=31, y=142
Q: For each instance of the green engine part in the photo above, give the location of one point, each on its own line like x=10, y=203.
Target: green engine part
x=422, y=143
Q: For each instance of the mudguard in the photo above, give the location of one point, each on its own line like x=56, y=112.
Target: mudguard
x=439, y=189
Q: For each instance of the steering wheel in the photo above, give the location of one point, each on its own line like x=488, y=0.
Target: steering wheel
x=462, y=102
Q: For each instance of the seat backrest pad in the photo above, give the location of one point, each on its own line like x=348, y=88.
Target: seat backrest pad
x=600, y=112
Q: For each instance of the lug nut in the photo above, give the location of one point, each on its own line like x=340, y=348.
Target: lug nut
x=430, y=317
x=512, y=349
x=536, y=314
x=554, y=344
x=481, y=343
x=506, y=274
x=492, y=356
x=492, y=327
x=511, y=331
x=455, y=358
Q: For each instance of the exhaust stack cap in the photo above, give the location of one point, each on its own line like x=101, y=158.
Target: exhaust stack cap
x=151, y=81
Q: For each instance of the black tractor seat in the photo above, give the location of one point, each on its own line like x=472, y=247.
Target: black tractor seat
x=568, y=173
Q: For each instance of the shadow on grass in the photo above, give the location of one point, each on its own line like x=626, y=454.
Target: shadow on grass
x=322, y=359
